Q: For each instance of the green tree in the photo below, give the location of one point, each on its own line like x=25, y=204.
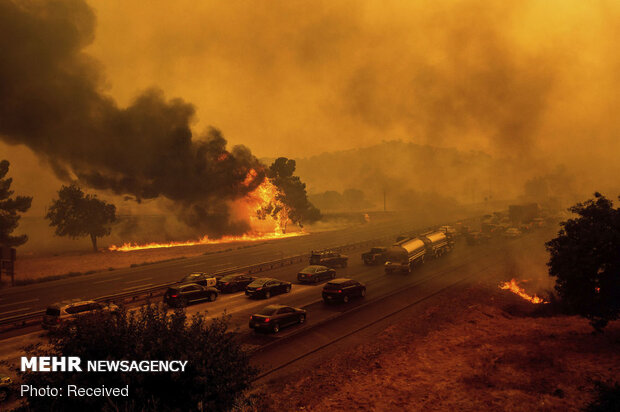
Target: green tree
x=10, y=209
x=217, y=372
x=76, y=214
x=585, y=260
x=293, y=191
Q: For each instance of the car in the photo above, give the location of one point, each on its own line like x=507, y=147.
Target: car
x=477, y=237
x=315, y=274
x=66, y=311
x=376, y=256
x=329, y=258
x=234, y=283
x=448, y=230
x=188, y=293
x=267, y=287
x=200, y=278
x=275, y=317
x=343, y=290
x=512, y=233
x=6, y=385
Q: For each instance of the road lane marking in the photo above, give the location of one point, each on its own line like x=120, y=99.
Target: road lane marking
x=108, y=280
x=13, y=311
x=138, y=280
x=139, y=286
x=18, y=303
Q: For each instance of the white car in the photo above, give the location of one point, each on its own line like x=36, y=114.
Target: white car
x=448, y=230
x=512, y=233
x=67, y=311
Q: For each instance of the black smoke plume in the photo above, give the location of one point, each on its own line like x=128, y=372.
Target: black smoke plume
x=52, y=100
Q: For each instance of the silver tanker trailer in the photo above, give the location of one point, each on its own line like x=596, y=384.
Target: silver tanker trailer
x=404, y=255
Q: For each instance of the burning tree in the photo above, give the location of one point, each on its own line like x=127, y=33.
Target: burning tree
x=585, y=259
x=292, y=193
x=76, y=214
x=10, y=209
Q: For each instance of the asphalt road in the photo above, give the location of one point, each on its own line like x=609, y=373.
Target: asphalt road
x=390, y=297
x=334, y=326
x=35, y=297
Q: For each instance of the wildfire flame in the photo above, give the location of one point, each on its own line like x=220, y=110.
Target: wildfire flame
x=514, y=287
x=267, y=215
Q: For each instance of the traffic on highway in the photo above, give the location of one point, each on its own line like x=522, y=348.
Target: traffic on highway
x=333, y=280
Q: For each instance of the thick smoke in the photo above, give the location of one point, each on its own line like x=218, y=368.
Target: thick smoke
x=537, y=81
x=52, y=100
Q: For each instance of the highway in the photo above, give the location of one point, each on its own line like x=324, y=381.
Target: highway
x=390, y=299
x=35, y=297
x=383, y=292
x=334, y=327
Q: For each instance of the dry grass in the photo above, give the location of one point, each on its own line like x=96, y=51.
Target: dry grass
x=482, y=359
x=29, y=268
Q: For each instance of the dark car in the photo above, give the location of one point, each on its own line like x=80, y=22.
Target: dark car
x=476, y=238
x=376, y=256
x=267, y=287
x=315, y=274
x=200, y=278
x=188, y=293
x=343, y=290
x=234, y=282
x=274, y=317
x=329, y=258
x=67, y=311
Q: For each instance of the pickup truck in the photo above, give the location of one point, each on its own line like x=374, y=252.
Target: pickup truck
x=328, y=258
x=375, y=256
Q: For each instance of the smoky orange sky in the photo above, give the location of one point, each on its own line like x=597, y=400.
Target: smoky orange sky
x=537, y=81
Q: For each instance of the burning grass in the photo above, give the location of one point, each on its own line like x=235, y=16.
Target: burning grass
x=514, y=287
x=129, y=247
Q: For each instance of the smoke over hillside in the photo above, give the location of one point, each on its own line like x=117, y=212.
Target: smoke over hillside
x=532, y=84
x=52, y=100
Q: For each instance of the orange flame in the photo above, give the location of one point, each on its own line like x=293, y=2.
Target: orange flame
x=128, y=247
x=267, y=215
x=514, y=287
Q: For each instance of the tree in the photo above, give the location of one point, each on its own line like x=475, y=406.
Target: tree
x=585, y=260
x=354, y=199
x=217, y=372
x=10, y=209
x=293, y=191
x=75, y=214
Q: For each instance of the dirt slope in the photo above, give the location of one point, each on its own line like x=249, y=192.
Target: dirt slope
x=476, y=348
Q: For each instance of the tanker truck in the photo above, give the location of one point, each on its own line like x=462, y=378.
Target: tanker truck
x=404, y=255
x=437, y=243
